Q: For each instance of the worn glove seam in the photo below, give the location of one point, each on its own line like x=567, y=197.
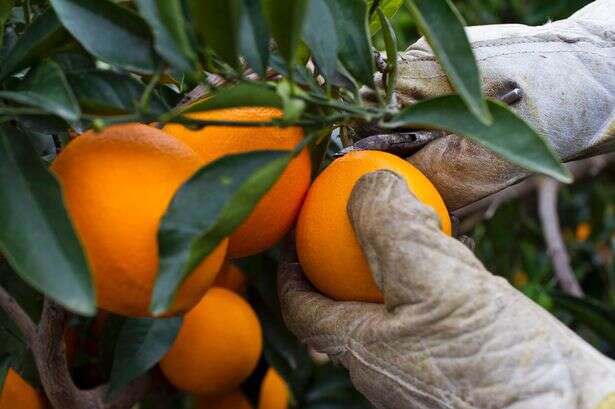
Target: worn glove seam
x=501, y=55
x=345, y=344
x=401, y=378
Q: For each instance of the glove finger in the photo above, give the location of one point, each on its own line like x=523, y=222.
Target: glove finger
x=321, y=322
x=411, y=260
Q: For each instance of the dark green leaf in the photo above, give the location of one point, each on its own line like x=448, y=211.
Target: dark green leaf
x=168, y=24
x=217, y=22
x=46, y=87
x=390, y=41
x=113, y=33
x=388, y=7
x=442, y=26
x=37, y=236
x=355, y=50
x=240, y=95
x=5, y=364
x=141, y=344
x=110, y=93
x=286, y=19
x=509, y=136
x=5, y=11
x=254, y=36
x=75, y=62
x=589, y=312
x=192, y=227
x=321, y=37
x=42, y=38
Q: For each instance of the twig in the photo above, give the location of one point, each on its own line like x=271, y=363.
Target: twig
x=49, y=352
x=18, y=315
x=547, y=209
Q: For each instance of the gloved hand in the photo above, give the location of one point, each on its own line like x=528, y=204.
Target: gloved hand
x=450, y=335
x=566, y=73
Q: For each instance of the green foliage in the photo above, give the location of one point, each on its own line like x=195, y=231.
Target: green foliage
x=141, y=343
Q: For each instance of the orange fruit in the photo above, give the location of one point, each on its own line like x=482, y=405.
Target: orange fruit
x=234, y=400
x=328, y=250
x=218, y=345
x=117, y=185
x=274, y=392
x=583, y=231
x=231, y=278
x=18, y=394
x=276, y=212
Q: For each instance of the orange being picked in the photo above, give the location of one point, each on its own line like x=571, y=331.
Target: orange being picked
x=233, y=400
x=274, y=393
x=18, y=394
x=232, y=278
x=218, y=345
x=328, y=250
x=117, y=185
x=276, y=212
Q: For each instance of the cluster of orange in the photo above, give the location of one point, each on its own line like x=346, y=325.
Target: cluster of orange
x=117, y=185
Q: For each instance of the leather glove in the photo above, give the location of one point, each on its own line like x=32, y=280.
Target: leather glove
x=566, y=73
x=450, y=335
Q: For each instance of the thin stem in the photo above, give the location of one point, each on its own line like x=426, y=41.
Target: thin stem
x=547, y=208
x=27, y=11
x=18, y=315
x=149, y=89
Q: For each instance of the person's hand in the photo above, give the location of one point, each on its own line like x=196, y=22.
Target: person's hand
x=560, y=77
x=450, y=335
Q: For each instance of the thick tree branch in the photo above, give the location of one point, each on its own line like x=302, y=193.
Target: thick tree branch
x=18, y=315
x=547, y=209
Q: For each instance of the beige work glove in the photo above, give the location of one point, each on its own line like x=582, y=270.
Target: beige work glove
x=566, y=73
x=450, y=335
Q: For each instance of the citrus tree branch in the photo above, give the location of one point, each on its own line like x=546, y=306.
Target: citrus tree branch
x=18, y=315
x=547, y=209
x=50, y=355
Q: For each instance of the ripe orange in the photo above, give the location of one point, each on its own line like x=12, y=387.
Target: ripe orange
x=276, y=212
x=231, y=278
x=234, y=400
x=583, y=231
x=274, y=391
x=218, y=346
x=18, y=394
x=328, y=250
x=117, y=185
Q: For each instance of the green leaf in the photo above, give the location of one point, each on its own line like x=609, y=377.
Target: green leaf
x=109, y=93
x=254, y=36
x=142, y=342
x=217, y=22
x=45, y=87
x=286, y=19
x=193, y=227
x=590, y=312
x=355, y=49
x=5, y=364
x=168, y=24
x=112, y=33
x=5, y=11
x=388, y=7
x=390, y=42
x=42, y=38
x=509, y=136
x=442, y=26
x=321, y=37
x=245, y=94
x=37, y=236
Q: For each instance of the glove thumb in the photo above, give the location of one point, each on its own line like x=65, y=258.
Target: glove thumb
x=411, y=260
